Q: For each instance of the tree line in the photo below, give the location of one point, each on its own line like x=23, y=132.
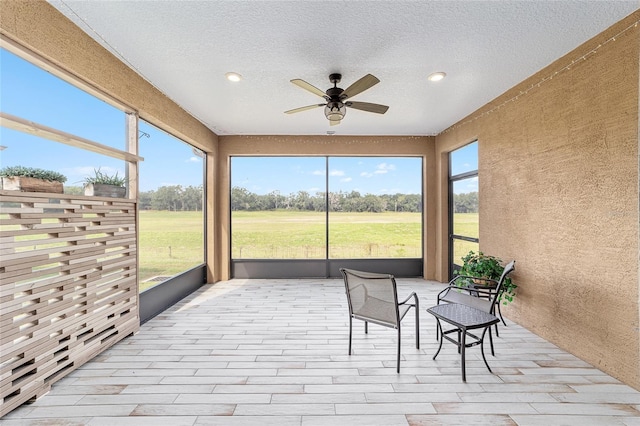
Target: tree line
x=190, y=198
x=465, y=203
x=172, y=197
x=243, y=199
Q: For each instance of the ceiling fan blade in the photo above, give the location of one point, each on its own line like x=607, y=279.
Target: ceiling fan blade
x=304, y=108
x=369, y=107
x=359, y=86
x=309, y=87
x=334, y=122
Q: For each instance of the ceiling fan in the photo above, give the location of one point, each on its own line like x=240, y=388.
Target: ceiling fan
x=336, y=104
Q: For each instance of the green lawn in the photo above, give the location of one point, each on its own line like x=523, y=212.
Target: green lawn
x=295, y=235
x=171, y=242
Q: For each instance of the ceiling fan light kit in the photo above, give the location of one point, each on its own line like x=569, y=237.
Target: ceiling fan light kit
x=336, y=105
x=335, y=111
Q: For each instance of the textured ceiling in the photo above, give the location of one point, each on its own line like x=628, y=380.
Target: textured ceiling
x=184, y=48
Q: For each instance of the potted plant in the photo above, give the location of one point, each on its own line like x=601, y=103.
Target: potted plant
x=482, y=266
x=31, y=179
x=104, y=185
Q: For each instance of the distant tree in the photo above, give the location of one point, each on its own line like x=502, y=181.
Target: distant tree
x=243, y=199
x=168, y=198
x=145, y=200
x=465, y=203
x=192, y=197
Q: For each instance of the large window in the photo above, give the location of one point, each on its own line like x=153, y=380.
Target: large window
x=171, y=219
x=326, y=207
x=463, y=203
x=170, y=206
x=278, y=208
x=375, y=207
x=32, y=94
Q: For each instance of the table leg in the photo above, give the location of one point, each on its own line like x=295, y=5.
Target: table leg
x=463, y=345
x=441, y=337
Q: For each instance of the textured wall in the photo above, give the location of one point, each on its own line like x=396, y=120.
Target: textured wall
x=324, y=145
x=558, y=170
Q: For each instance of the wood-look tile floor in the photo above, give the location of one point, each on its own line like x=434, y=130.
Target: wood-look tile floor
x=274, y=352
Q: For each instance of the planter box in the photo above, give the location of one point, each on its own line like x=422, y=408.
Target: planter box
x=28, y=184
x=102, y=190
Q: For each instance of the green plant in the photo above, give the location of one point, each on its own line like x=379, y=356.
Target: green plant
x=481, y=265
x=104, y=179
x=32, y=172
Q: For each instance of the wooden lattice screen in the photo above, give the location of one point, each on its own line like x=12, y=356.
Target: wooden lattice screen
x=68, y=286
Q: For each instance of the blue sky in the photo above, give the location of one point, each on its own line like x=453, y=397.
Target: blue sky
x=367, y=175
x=33, y=94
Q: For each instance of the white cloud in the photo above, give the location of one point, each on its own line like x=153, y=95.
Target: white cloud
x=318, y=172
x=193, y=160
x=383, y=168
x=366, y=174
x=347, y=179
x=336, y=173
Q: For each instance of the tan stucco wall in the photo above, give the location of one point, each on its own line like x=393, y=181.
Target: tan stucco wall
x=558, y=176
x=422, y=146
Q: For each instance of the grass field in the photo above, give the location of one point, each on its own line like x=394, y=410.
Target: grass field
x=295, y=235
x=171, y=242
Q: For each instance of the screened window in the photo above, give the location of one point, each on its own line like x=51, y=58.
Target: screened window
x=31, y=93
x=464, y=203
x=375, y=207
x=278, y=208
x=326, y=207
x=170, y=206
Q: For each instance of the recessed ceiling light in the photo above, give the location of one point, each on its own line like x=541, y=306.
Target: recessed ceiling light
x=233, y=76
x=436, y=76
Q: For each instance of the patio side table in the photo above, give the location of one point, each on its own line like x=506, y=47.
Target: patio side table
x=463, y=318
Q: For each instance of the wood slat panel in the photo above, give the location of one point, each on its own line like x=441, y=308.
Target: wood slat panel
x=68, y=286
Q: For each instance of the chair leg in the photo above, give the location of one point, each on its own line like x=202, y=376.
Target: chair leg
x=417, y=324
x=491, y=341
x=482, y=348
x=350, y=332
x=501, y=317
x=399, y=344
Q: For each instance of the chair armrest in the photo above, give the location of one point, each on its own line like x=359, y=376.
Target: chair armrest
x=493, y=281
x=415, y=300
x=469, y=290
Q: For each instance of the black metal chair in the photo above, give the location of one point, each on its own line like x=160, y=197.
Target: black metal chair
x=463, y=290
x=465, y=312
x=373, y=297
